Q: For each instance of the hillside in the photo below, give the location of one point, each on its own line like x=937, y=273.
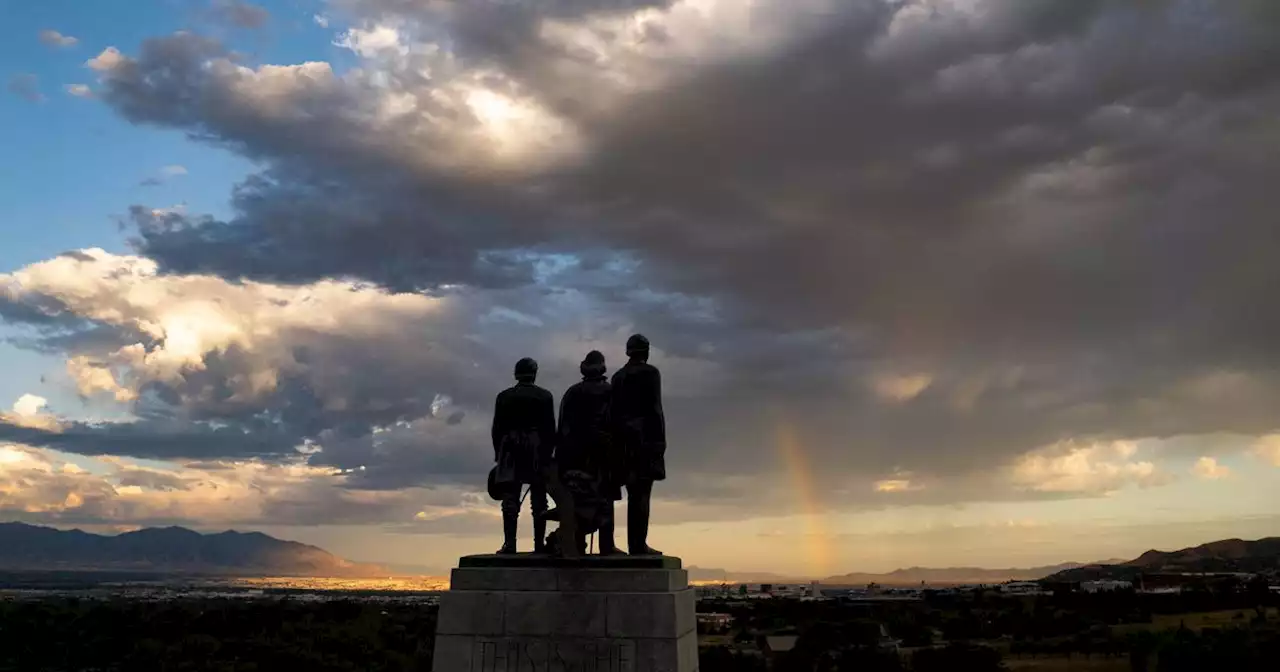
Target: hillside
x=1228, y=555
x=914, y=576
x=168, y=549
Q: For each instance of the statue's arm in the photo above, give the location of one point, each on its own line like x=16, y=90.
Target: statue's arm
x=549, y=425
x=495, y=432
x=657, y=405
x=560, y=427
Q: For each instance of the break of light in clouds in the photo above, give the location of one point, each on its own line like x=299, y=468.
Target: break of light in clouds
x=930, y=282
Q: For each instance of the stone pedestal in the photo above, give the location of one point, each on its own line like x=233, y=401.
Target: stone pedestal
x=529, y=613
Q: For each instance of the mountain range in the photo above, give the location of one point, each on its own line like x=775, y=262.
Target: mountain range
x=169, y=549
x=1228, y=555
x=179, y=550
x=911, y=576
x=914, y=576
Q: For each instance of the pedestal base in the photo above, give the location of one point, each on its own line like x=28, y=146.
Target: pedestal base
x=528, y=613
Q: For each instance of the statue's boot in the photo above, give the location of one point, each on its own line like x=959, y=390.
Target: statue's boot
x=539, y=534
x=607, y=544
x=510, y=523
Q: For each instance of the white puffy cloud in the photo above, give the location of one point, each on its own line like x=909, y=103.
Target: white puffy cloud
x=180, y=321
x=107, y=60
x=1089, y=469
x=1209, y=469
x=29, y=405
x=79, y=90
x=44, y=486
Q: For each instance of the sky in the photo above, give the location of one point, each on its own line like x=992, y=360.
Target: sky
x=930, y=282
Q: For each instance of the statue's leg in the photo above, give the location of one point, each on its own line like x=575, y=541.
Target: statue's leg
x=639, y=493
x=538, y=507
x=608, y=546
x=510, y=520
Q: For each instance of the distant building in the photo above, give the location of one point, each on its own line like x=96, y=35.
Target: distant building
x=1022, y=588
x=1105, y=586
x=718, y=621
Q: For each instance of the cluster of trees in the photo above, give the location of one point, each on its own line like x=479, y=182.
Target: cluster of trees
x=214, y=635
x=857, y=659
x=1238, y=649
x=974, y=631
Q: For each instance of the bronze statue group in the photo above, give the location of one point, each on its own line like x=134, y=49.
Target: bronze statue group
x=611, y=435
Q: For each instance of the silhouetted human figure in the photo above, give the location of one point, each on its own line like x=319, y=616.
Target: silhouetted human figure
x=524, y=430
x=583, y=444
x=640, y=434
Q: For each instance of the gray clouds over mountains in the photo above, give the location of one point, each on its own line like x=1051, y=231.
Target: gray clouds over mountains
x=942, y=243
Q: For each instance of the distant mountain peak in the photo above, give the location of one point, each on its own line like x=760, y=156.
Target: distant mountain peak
x=1227, y=555
x=169, y=549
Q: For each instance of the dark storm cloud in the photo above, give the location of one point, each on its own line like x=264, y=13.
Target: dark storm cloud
x=155, y=440
x=908, y=236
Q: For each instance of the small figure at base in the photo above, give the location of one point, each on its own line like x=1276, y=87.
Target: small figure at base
x=580, y=510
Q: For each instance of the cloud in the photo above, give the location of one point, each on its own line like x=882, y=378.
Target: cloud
x=893, y=485
x=900, y=388
x=812, y=208
x=1268, y=448
x=29, y=404
x=240, y=14
x=398, y=386
x=1096, y=469
x=55, y=39
x=1209, y=469
x=41, y=486
x=27, y=86
x=79, y=90
x=105, y=61
x=230, y=351
x=320, y=20
x=166, y=173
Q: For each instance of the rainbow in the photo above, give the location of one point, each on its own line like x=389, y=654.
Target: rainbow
x=796, y=460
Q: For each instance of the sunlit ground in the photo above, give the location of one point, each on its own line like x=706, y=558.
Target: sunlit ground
x=395, y=583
